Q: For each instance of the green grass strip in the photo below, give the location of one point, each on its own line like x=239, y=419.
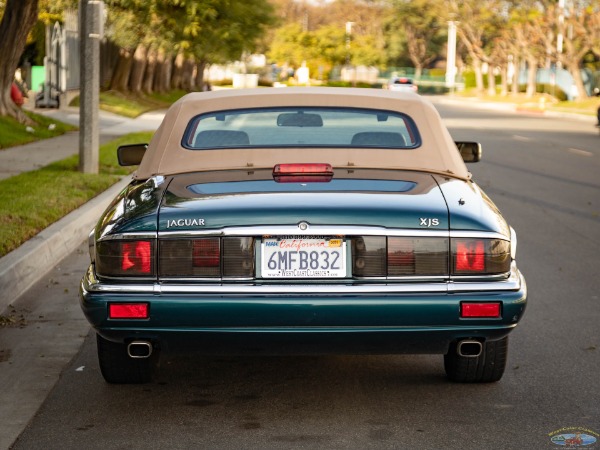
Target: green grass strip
x=13, y=133
x=132, y=105
x=32, y=201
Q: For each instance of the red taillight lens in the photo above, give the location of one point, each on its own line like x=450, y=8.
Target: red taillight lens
x=128, y=311
x=125, y=258
x=206, y=253
x=136, y=257
x=469, y=256
x=400, y=256
x=303, y=173
x=480, y=256
x=378, y=256
x=230, y=257
x=480, y=310
x=417, y=256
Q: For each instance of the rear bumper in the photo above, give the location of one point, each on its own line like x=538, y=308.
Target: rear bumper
x=275, y=319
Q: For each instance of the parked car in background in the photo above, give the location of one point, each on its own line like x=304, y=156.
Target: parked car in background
x=309, y=220
x=401, y=84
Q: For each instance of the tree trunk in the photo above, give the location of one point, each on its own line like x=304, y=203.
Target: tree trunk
x=504, y=81
x=200, y=66
x=418, y=71
x=138, y=69
x=18, y=19
x=479, y=86
x=188, y=75
x=177, y=78
x=120, y=79
x=150, y=72
x=162, y=80
x=515, y=80
x=575, y=71
x=491, y=90
x=531, y=77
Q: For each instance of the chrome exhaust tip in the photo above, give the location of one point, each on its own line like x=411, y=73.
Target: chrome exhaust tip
x=139, y=349
x=469, y=348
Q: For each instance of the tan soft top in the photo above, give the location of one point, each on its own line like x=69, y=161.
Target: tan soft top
x=166, y=155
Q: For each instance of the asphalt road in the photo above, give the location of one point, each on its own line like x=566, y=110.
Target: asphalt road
x=544, y=174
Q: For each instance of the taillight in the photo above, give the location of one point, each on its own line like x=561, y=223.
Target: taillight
x=369, y=256
x=417, y=256
x=378, y=256
x=480, y=256
x=469, y=256
x=395, y=256
x=206, y=252
x=207, y=257
x=125, y=258
x=303, y=173
x=136, y=257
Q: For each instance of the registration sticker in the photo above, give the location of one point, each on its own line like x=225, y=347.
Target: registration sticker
x=303, y=257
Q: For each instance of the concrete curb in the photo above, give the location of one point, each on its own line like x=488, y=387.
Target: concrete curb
x=24, y=266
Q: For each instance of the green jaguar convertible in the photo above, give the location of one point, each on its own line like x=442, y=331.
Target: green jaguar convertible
x=302, y=221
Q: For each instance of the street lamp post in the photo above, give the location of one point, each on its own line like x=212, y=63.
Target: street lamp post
x=348, y=44
x=559, y=35
x=451, y=56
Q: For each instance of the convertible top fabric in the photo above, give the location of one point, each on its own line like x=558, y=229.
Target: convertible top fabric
x=166, y=155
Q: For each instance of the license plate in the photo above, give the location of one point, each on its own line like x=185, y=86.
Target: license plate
x=303, y=257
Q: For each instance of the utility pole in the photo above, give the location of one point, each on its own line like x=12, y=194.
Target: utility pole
x=91, y=31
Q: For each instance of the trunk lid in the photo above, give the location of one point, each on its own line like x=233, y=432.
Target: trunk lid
x=382, y=198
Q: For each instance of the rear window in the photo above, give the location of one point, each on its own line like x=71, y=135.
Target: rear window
x=402, y=81
x=301, y=127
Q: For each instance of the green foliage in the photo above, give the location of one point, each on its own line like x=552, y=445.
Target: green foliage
x=32, y=201
x=416, y=30
x=209, y=30
x=325, y=47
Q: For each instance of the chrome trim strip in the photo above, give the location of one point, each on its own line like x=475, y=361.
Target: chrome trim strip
x=478, y=234
x=513, y=283
x=326, y=230
x=134, y=235
x=317, y=230
x=500, y=276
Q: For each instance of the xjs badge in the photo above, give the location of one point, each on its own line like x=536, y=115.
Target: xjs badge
x=426, y=222
x=185, y=223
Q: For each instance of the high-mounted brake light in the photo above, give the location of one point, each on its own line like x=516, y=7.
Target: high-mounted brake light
x=128, y=311
x=303, y=173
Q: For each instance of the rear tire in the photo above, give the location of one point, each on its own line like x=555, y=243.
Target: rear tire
x=485, y=368
x=118, y=368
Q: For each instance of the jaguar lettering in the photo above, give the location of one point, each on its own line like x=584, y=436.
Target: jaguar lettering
x=185, y=223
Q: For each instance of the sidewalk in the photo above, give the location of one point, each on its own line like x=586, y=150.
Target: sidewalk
x=21, y=268
x=473, y=102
